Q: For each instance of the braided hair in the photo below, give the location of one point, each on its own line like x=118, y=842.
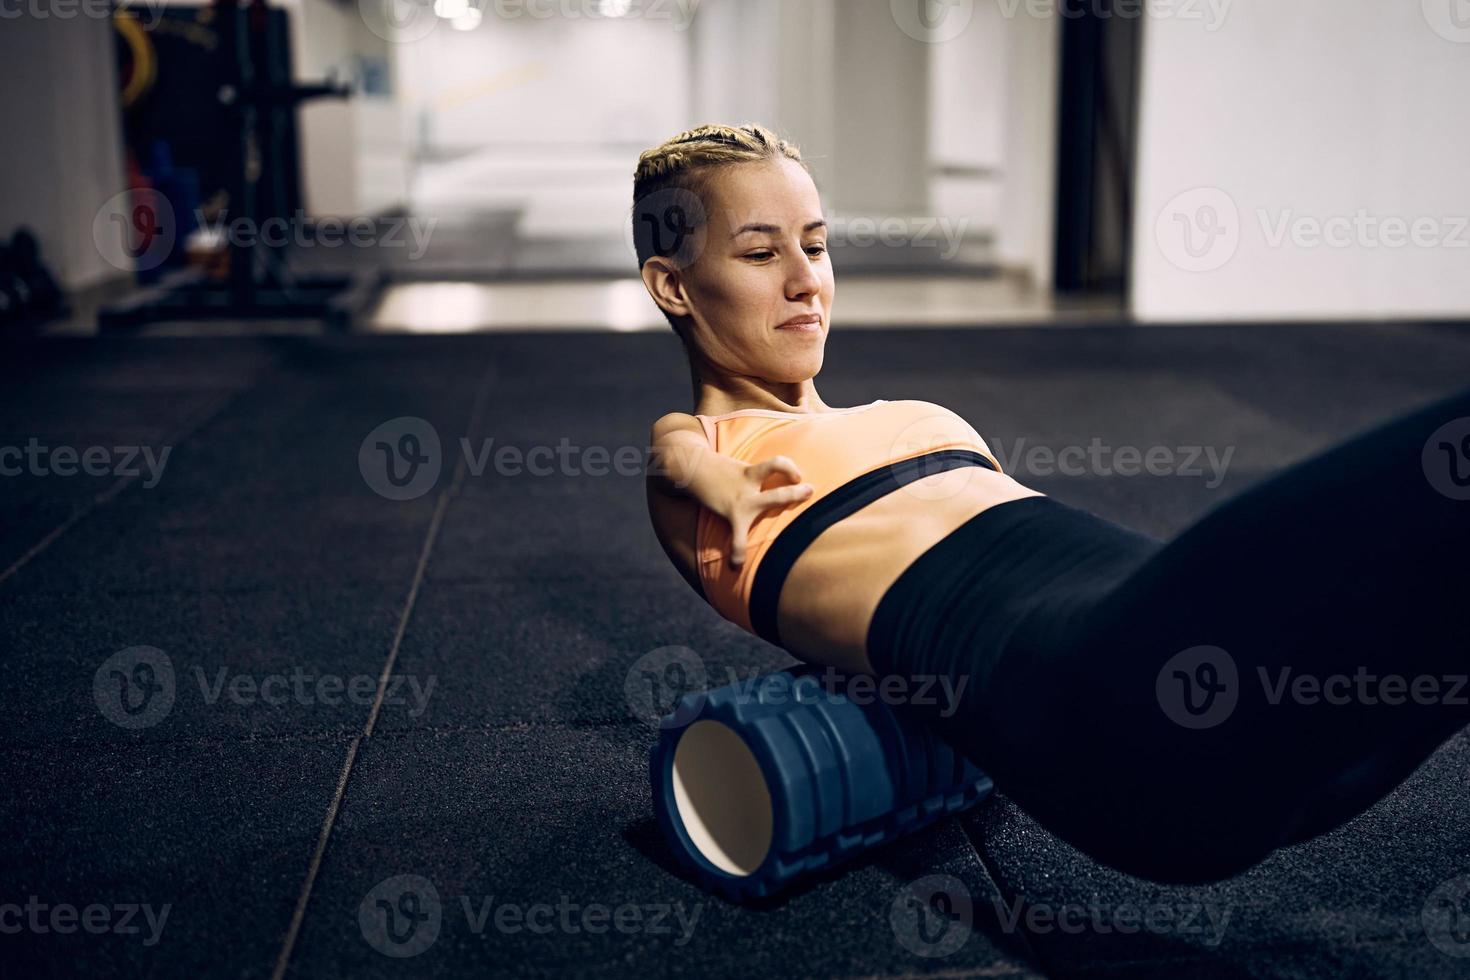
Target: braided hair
x=681, y=166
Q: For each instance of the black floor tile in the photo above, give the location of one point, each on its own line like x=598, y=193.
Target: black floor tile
x=138, y=544
x=550, y=816
x=1351, y=901
x=228, y=664
x=213, y=838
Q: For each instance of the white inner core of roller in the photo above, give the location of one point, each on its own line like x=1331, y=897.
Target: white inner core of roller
x=722, y=797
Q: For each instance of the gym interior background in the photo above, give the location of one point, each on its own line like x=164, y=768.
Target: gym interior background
x=240, y=240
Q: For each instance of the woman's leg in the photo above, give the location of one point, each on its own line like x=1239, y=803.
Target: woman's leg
x=1178, y=710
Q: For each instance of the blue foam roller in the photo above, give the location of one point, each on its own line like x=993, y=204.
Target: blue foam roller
x=761, y=783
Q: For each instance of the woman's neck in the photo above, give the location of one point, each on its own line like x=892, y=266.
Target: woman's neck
x=738, y=394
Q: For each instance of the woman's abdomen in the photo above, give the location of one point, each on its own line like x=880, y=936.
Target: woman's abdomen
x=832, y=590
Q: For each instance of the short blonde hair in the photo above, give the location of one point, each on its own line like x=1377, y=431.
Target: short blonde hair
x=684, y=164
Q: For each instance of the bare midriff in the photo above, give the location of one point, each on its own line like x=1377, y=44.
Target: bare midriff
x=833, y=589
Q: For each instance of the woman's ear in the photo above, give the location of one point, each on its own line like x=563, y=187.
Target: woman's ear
x=665, y=284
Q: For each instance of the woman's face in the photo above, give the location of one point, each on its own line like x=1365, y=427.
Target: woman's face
x=762, y=263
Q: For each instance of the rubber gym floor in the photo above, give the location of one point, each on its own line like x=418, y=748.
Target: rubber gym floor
x=241, y=828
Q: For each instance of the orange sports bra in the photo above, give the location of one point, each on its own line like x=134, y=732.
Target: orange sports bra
x=850, y=456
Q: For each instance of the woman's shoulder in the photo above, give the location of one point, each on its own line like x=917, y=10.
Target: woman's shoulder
x=675, y=422
x=920, y=405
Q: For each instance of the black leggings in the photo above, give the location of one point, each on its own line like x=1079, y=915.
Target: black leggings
x=1179, y=709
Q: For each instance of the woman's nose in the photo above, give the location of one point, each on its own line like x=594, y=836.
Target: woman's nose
x=801, y=279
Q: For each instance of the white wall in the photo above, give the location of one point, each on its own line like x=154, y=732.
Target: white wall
x=354, y=152
x=959, y=126
x=992, y=110
x=524, y=80
x=1309, y=109
x=771, y=62
x=62, y=158
x=881, y=147
x=1026, y=229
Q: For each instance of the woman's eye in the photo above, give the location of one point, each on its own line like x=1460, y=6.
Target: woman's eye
x=812, y=250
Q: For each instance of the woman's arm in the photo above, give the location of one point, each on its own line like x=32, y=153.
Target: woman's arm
x=682, y=464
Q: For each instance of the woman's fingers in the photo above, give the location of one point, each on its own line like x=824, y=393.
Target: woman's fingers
x=776, y=464
x=737, y=542
x=778, y=496
x=746, y=514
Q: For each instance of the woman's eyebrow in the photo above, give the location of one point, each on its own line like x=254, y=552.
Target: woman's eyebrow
x=773, y=229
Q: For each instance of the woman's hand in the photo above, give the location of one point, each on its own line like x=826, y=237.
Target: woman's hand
x=746, y=500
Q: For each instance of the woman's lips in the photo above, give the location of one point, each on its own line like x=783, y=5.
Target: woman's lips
x=803, y=326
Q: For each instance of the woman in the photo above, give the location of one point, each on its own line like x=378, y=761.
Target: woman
x=1143, y=700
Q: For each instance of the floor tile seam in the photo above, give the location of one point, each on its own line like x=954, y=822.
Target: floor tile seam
x=329, y=821
x=191, y=426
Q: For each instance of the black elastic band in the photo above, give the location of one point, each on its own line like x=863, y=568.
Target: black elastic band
x=848, y=499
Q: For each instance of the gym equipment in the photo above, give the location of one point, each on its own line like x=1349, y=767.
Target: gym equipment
x=250, y=48
x=762, y=783
x=28, y=291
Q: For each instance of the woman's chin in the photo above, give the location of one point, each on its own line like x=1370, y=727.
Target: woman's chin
x=795, y=370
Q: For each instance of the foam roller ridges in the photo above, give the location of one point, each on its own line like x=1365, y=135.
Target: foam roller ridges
x=843, y=772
